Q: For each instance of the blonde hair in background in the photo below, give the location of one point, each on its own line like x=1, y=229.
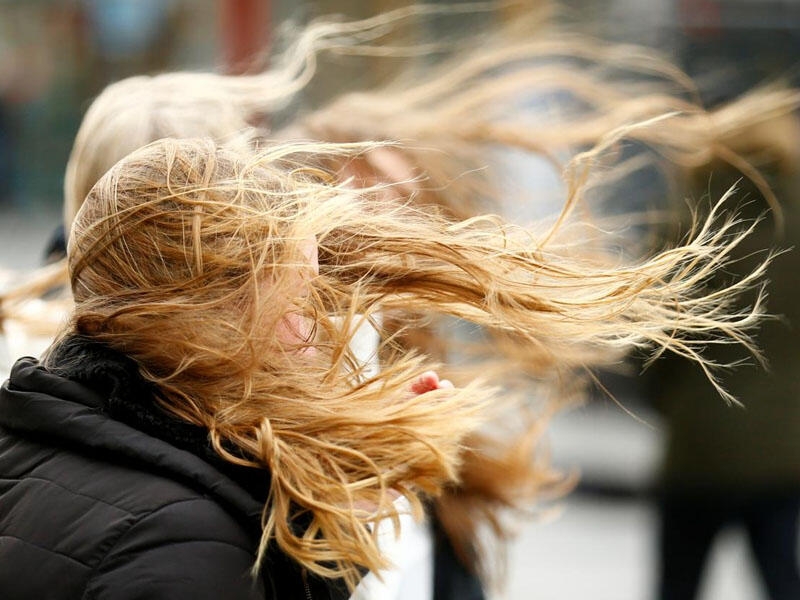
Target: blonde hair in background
x=135, y=111
x=448, y=114
x=186, y=253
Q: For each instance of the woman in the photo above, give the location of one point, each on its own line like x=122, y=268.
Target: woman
x=455, y=116
x=202, y=430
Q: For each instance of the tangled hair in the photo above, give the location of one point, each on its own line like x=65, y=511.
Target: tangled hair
x=187, y=256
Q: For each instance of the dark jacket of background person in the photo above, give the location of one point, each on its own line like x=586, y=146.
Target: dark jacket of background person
x=737, y=465
x=735, y=449
x=93, y=504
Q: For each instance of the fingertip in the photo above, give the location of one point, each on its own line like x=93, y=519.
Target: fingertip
x=429, y=376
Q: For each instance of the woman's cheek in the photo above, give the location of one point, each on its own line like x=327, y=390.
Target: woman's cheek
x=295, y=329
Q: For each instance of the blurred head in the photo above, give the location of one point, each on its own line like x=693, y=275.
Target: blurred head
x=133, y=112
x=136, y=111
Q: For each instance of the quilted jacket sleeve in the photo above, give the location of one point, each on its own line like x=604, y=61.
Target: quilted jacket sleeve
x=187, y=549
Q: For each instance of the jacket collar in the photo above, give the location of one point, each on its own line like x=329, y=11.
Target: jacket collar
x=93, y=398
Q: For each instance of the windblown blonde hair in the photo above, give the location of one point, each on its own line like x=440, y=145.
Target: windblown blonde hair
x=186, y=255
x=441, y=125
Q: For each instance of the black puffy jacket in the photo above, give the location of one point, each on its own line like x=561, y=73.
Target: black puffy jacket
x=94, y=504
x=104, y=496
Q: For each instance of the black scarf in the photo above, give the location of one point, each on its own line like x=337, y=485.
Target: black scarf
x=129, y=398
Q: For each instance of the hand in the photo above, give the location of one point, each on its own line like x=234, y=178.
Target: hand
x=430, y=381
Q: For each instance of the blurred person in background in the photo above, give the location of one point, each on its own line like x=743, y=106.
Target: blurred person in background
x=738, y=465
x=733, y=466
